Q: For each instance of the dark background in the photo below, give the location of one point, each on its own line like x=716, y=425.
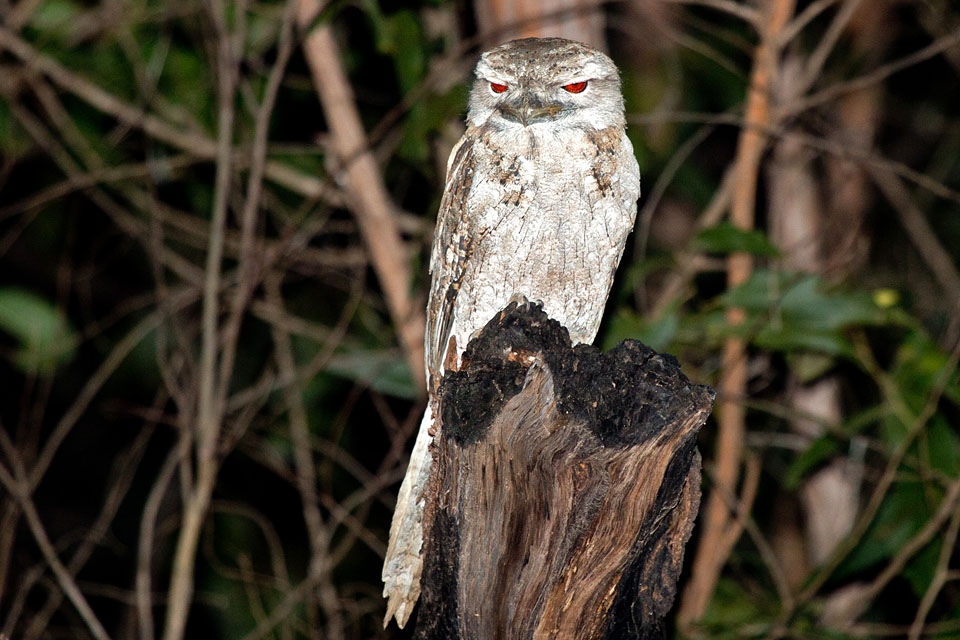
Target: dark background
x=266, y=396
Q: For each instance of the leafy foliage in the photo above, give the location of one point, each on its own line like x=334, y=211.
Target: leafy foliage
x=45, y=338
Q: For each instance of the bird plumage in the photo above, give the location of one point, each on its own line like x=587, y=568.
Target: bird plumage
x=541, y=193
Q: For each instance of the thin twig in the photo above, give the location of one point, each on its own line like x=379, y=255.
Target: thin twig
x=194, y=142
x=689, y=264
x=369, y=200
x=247, y=276
x=645, y=215
x=802, y=19
x=846, y=152
x=947, y=547
x=714, y=542
x=947, y=511
x=279, y=579
x=75, y=183
x=876, y=76
x=741, y=10
x=82, y=401
x=124, y=219
x=19, y=486
x=121, y=480
x=210, y=404
x=924, y=238
x=305, y=473
x=145, y=544
x=818, y=58
x=915, y=423
x=330, y=341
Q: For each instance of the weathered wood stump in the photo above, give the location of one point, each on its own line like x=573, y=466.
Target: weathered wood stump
x=567, y=482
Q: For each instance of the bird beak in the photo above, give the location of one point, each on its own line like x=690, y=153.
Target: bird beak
x=529, y=108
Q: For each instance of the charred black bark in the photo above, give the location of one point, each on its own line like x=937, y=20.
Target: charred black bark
x=566, y=485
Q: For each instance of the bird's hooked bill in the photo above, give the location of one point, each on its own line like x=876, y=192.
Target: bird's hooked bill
x=529, y=108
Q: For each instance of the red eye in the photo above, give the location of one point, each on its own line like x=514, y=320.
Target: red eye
x=575, y=87
x=496, y=87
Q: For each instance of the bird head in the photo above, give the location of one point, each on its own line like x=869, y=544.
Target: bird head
x=535, y=81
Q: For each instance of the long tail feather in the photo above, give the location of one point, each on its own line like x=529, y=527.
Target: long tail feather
x=403, y=563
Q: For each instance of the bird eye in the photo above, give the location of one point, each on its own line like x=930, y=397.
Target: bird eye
x=575, y=87
x=496, y=87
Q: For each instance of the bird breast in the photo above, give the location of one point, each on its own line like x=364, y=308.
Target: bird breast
x=551, y=216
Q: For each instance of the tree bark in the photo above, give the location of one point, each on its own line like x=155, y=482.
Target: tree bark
x=567, y=483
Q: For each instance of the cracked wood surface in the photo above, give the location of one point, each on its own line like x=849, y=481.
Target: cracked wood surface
x=567, y=484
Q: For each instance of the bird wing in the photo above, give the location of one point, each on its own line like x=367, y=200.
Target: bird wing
x=452, y=245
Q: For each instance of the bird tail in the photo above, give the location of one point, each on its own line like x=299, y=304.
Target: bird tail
x=404, y=563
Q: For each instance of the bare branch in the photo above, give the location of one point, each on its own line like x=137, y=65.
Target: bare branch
x=145, y=547
x=943, y=573
x=318, y=533
x=914, y=422
x=928, y=245
x=816, y=60
x=20, y=487
x=194, y=142
x=369, y=199
x=741, y=10
x=802, y=19
x=210, y=404
x=876, y=76
x=717, y=525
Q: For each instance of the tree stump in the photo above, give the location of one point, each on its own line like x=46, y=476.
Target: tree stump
x=566, y=485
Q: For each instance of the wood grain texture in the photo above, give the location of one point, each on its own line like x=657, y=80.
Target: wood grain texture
x=541, y=194
x=567, y=484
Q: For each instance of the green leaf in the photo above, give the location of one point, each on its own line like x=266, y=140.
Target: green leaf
x=657, y=333
x=726, y=238
x=46, y=339
x=55, y=17
x=184, y=70
x=809, y=366
x=13, y=142
x=790, y=313
x=383, y=370
x=922, y=567
x=735, y=608
x=426, y=118
x=819, y=451
x=900, y=516
x=942, y=446
x=378, y=22
x=404, y=42
x=919, y=367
